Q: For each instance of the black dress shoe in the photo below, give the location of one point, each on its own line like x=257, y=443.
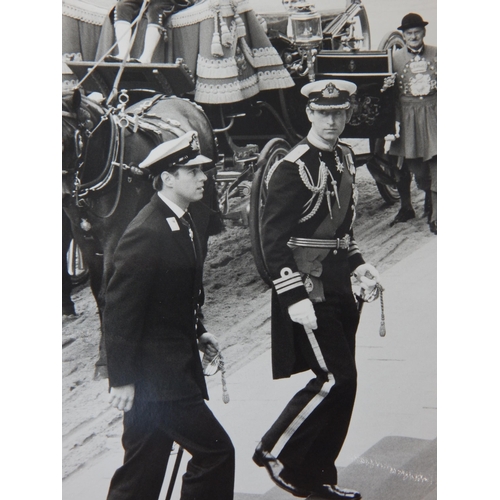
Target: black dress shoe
x=403, y=215
x=274, y=467
x=332, y=491
x=433, y=226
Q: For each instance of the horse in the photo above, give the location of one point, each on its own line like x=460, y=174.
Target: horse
x=103, y=188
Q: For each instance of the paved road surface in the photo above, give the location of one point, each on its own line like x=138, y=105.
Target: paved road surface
x=391, y=443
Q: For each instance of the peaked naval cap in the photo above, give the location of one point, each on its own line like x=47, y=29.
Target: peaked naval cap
x=181, y=152
x=329, y=94
x=412, y=20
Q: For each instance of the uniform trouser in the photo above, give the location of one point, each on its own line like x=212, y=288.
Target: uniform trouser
x=308, y=435
x=150, y=428
x=127, y=10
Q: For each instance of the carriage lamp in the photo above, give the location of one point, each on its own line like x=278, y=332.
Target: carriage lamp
x=306, y=33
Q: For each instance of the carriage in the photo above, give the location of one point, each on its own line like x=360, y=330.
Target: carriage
x=245, y=125
x=257, y=127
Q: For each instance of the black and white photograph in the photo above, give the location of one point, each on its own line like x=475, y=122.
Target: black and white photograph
x=249, y=249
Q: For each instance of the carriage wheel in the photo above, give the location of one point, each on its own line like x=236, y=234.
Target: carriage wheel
x=365, y=30
x=274, y=150
x=77, y=268
x=392, y=40
x=389, y=193
x=384, y=170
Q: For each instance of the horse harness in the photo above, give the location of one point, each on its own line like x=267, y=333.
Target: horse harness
x=140, y=119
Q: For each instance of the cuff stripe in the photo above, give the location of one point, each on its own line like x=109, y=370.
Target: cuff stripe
x=290, y=287
x=285, y=278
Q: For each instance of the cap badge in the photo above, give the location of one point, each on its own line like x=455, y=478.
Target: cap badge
x=195, y=143
x=330, y=91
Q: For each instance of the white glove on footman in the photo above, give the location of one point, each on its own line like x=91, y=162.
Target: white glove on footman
x=368, y=277
x=303, y=313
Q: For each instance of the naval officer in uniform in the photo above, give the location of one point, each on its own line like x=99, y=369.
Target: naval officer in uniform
x=311, y=254
x=154, y=334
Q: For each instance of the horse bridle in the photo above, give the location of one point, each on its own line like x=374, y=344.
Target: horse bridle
x=84, y=130
x=77, y=138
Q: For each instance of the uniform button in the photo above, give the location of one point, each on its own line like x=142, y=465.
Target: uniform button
x=335, y=252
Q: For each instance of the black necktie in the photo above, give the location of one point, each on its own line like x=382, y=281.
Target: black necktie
x=187, y=221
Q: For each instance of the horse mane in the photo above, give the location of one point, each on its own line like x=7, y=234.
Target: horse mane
x=87, y=109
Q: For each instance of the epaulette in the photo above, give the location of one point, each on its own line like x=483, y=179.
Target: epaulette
x=293, y=156
x=296, y=153
x=345, y=145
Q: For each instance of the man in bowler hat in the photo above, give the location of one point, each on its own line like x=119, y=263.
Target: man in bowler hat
x=416, y=118
x=153, y=336
x=310, y=253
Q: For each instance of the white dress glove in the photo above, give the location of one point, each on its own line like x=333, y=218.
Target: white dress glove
x=389, y=82
x=303, y=313
x=368, y=277
x=389, y=138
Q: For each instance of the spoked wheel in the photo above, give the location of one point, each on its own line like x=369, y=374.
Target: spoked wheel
x=392, y=41
x=382, y=163
x=274, y=150
x=383, y=168
x=361, y=24
x=77, y=268
x=389, y=193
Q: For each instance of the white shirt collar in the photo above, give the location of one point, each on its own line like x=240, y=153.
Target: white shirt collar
x=320, y=143
x=173, y=206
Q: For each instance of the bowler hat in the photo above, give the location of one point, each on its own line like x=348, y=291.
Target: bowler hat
x=181, y=152
x=412, y=20
x=329, y=94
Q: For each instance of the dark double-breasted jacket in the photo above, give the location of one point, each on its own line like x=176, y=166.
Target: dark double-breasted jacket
x=297, y=208
x=150, y=316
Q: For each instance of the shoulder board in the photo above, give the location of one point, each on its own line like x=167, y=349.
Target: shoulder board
x=293, y=157
x=296, y=153
x=345, y=144
x=346, y=148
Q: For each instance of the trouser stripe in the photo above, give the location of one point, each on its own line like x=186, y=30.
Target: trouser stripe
x=313, y=404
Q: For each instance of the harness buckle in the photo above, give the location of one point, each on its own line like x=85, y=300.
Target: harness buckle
x=123, y=121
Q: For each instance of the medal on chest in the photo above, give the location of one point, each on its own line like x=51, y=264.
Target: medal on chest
x=419, y=76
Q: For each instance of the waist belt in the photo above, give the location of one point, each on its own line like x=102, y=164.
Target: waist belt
x=342, y=243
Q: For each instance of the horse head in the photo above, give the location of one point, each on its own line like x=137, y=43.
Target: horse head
x=80, y=117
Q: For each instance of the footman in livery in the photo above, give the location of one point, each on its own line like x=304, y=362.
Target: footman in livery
x=416, y=116
x=311, y=255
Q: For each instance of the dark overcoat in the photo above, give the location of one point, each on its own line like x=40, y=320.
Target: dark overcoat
x=150, y=321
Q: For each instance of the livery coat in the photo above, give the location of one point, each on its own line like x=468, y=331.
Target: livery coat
x=291, y=210
x=416, y=108
x=150, y=322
